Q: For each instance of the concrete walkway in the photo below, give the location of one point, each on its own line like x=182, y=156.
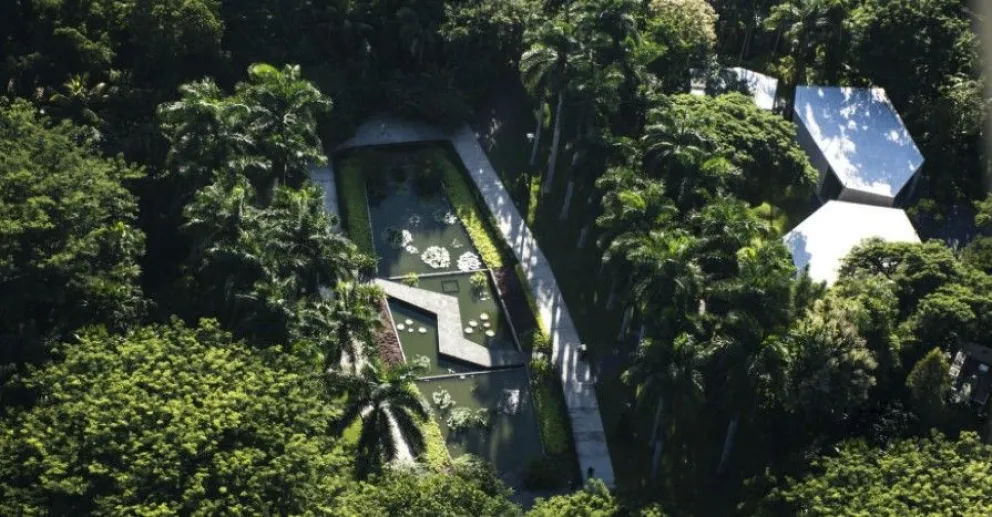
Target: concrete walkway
x=576, y=375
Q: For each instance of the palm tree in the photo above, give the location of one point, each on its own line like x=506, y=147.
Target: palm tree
x=754, y=306
x=545, y=66
x=228, y=238
x=800, y=20
x=356, y=317
x=667, y=372
x=388, y=407
x=282, y=114
x=318, y=255
x=673, y=141
x=78, y=98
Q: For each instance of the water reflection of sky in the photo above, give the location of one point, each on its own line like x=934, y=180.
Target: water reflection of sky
x=861, y=136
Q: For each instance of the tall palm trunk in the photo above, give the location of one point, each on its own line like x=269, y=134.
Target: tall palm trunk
x=657, y=438
x=728, y=442
x=568, y=200
x=539, y=126
x=555, y=140
x=799, y=61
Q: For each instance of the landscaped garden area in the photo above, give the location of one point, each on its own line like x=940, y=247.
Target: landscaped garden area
x=416, y=211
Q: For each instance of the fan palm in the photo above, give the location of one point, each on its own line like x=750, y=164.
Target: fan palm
x=388, y=407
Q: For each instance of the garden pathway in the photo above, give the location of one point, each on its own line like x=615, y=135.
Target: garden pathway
x=576, y=374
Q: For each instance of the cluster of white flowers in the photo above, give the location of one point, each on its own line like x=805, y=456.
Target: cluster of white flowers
x=411, y=249
x=445, y=216
x=469, y=261
x=443, y=399
x=436, y=257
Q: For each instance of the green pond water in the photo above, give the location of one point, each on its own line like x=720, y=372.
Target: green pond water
x=510, y=441
x=408, y=218
x=474, y=305
x=416, y=344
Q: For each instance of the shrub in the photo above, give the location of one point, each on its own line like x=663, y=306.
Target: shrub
x=410, y=279
x=464, y=203
x=354, y=206
x=479, y=282
x=435, y=455
x=549, y=401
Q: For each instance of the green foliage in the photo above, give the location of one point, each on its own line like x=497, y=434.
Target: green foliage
x=463, y=198
x=355, y=208
x=266, y=131
x=830, y=368
x=435, y=454
x=382, y=399
x=407, y=494
x=978, y=254
x=170, y=420
x=552, y=415
x=925, y=55
x=763, y=145
x=411, y=279
x=915, y=477
x=479, y=281
x=929, y=382
x=595, y=500
x=68, y=248
x=682, y=34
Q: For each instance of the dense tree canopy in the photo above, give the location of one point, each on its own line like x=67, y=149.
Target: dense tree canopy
x=924, y=476
x=173, y=420
x=153, y=168
x=69, y=248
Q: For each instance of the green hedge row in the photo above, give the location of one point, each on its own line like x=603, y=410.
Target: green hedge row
x=462, y=199
x=353, y=199
x=436, y=454
x=551, y=411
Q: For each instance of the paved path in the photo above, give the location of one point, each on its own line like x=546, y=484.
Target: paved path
x=450, y=338
x=576, y=375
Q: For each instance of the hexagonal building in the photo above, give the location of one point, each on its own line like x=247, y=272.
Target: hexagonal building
x=823, y=239
x=858, y=142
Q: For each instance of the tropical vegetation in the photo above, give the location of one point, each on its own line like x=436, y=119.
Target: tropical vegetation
x=185, y=329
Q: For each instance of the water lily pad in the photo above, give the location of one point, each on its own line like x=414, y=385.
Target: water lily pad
x=468, y=330
x=483, y=316
x=422, y=330
x=409, y=329
x=400, y=326
x=473, y=323
x=490, y=333
x=408, y=321
x=486, y=325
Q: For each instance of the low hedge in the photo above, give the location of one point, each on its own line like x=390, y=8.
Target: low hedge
x=464, y=203
x=436, y=454
x=552, y=414
x=354, y=205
